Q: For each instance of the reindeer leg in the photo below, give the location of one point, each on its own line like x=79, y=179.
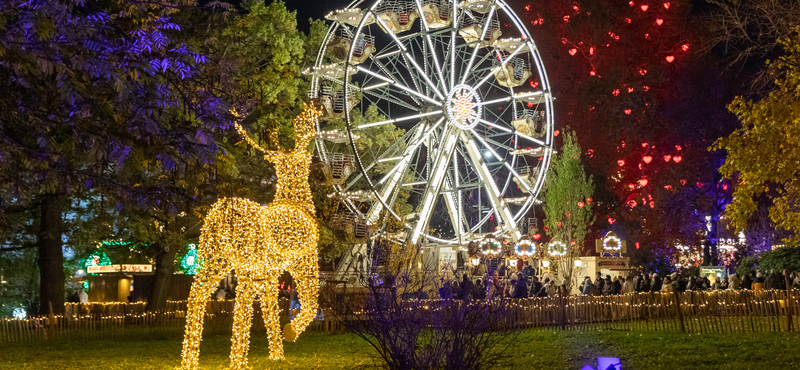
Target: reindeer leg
x=205, y=282
x=271, y=311
x=242, y=320
x=306, y=273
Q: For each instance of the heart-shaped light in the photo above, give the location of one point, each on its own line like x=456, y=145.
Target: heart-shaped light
x=621, y=162
x=683, y=182
x=627, y=111
x=659, y=21
x=699, y=184
x=611, y=220
x=537, y=236
x=667, y=158
x=644, y=145
x=631, y=186
x=573, y=51
x=589, y=200
x=581, y=204
x=670, y=58
x=685, y=47
x=644, y=7
x=630, y=89
x=666, y=5
x=647, y=159
x=652, y=204
x=643, y=182
x=677, y=159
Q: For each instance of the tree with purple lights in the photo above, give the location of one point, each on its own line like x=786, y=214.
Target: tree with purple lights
x=94, y=92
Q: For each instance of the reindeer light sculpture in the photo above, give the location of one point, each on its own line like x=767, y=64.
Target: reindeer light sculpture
x=260, y=243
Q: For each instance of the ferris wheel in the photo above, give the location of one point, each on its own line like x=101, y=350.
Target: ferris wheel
x=459, y=90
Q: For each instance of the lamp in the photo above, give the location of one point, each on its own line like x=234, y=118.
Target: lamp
x=546, y=263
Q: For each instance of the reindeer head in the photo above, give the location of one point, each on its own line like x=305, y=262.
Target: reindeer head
x=304, y=130
x=304, y=123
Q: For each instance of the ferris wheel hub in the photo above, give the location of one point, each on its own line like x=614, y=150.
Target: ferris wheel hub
x=463, y=107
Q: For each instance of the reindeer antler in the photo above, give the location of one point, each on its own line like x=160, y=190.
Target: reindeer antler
x=304, y=126
x=304, y=130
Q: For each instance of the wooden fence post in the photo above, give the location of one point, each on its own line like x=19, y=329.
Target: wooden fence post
x=788, y=300
x=680, y=312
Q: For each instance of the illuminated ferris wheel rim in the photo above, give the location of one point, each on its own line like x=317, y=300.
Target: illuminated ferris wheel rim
x=459, y=104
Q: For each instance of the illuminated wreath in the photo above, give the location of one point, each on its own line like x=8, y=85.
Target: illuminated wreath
x=490, y=247
x=611, y=243
x=557, y=249
x=525, y=248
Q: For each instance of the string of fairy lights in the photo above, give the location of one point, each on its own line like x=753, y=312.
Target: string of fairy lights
x=260, y=243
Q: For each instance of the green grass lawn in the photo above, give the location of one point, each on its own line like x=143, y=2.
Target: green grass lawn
x=532, y=350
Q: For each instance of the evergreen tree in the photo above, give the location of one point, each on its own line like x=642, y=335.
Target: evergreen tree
x=568, y=203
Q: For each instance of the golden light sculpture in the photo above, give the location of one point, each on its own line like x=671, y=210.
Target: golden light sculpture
x=260, y=243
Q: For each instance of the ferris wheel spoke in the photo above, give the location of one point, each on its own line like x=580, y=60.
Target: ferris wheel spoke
x=408, y=59
x=478, y=42
x=435, y=178
x=397, y=84
x=407, y=118
x=500, y=207
x=508, y=166
x=430, y=44
x=494, y=70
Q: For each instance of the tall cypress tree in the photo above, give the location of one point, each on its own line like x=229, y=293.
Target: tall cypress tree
x=568, y=203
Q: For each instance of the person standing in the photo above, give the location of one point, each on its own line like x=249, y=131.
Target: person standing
x=667, y=285
x=617, y=285
x=655, y=284
x=599, y=280
x=627, y=287
x=588, y=287
x=551, y=289
x=733, y=282
x=608, y=286
x=465, y=287
x=747, y=281
x=536, y=286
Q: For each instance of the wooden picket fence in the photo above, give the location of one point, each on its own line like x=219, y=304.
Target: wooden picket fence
x=723, y=312
x=111, y=320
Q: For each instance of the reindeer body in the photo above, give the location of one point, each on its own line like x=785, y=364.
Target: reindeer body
x=260, y=243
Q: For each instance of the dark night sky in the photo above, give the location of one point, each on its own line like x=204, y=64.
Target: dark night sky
x=314, y=9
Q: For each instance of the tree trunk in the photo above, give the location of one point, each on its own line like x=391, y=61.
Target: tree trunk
x=51, y=257
x=165, y=267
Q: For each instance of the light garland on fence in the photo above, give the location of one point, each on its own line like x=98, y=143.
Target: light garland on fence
x=260, y=243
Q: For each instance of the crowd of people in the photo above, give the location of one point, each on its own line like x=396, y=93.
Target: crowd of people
x=526, y=284
x=679, y=283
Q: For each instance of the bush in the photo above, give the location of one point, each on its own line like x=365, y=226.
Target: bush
x=787, y=258
x=402, y=317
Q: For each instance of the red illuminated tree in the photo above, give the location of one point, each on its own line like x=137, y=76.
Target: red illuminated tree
x=619, y=71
